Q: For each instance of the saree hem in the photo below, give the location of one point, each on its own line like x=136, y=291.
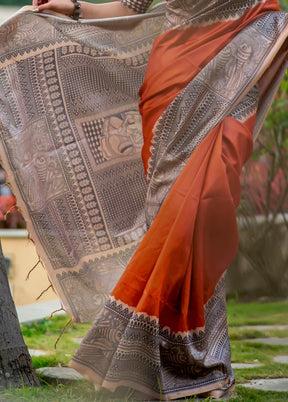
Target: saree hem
x=122, y=344
x=89, y=374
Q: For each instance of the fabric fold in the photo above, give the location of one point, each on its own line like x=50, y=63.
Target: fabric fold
x=71, y=140
x=147, y=254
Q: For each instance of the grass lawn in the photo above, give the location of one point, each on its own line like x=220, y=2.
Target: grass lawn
x=44, y=334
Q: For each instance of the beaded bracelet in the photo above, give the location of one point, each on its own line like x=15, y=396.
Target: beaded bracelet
x=77, y=10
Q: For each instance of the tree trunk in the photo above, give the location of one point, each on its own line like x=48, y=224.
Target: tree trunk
x=16, y=367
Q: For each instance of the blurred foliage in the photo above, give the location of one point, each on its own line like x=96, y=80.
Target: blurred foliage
x=268, y=169
x=263, y=211
x=283, y=5
x=15, y=3
x=19, y=3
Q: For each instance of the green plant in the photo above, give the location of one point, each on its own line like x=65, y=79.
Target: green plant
x=283, y=5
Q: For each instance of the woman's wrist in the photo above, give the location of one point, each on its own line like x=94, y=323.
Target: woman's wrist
x=77, y=13
x=88, y=10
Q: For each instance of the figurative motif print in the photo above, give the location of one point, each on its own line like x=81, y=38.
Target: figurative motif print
x=212, y=95
x=72, y=135
x=184, y=13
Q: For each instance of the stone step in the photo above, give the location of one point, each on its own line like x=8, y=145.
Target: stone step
x=263, y=327
x=239, y=366
x=273, y=384
x=269, y=341
x=59, y=375
x=77, y=340
x=35, y=352
x=281, y=359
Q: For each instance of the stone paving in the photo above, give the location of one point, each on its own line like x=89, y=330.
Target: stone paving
x=264, y=327
x=38, y=311
x=269, y=341
x=240, y=366
x=273, y=384
x=77, y=340
x=281, y=359
x=37, y=353
x=59, y=375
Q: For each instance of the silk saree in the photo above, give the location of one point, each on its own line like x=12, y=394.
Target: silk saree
x=142, y=245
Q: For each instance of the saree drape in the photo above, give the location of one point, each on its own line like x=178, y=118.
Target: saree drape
x=71, y=140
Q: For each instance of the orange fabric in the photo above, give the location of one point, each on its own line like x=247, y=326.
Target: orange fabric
x=166, y=76
x=193, y=238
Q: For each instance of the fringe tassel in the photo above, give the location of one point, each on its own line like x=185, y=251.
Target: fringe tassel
x=62, y=332
x=9, y=211
x=44, y=291
x=32, y=269
x=56, y=311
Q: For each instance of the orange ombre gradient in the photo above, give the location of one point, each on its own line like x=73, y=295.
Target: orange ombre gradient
x=194, y=237
x=167, y=75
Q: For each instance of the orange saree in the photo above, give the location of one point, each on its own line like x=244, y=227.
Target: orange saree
x=145, y=254
x=164, y=327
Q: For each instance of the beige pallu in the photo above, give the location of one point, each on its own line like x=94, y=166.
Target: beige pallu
x=69, y=102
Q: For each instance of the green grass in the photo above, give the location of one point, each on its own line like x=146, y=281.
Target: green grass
x=81, y=392
x=273, y=313
x=246, y=352
x=249, y=395
x=236, y=333
x=44, y=334
x=241, y=314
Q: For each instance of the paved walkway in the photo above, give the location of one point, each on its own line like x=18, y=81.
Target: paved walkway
x=264, y=327
x=37, y=311
x=273, y=384
x=269, y=341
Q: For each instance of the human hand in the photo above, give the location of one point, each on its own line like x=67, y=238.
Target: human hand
x=60, y=6
x=37, y=3
x=89, y=10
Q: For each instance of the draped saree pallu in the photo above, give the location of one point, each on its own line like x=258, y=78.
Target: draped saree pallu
x=213, y=70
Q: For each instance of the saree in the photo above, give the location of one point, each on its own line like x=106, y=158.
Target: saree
x=150, y=244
